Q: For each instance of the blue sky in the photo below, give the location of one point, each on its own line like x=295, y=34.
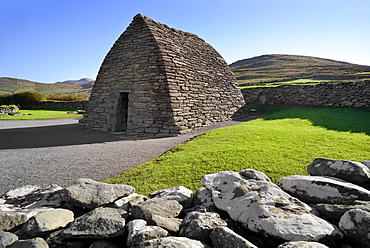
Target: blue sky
x=55, y=40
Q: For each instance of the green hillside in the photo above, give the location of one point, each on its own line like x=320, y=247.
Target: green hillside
x=266, y=70
x=14, y=85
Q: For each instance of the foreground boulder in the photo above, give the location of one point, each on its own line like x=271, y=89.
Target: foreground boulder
x=366, y=163
x=164, y=208
x=31, y=197
x=127, y=202
x=334, y=212
x=179, y=193
x=138, y=232
x=254, y=174
x=302, y=244
x=355, y=224
x=317, y=189
x=224, y=237
x=91, y=194
x=178, y=242
x=199, y=225
x=350, y=171
x=103, y=244
x=170, y=224
x=47, y=221
x=203, y=201
x=98, y=224
x=30, y=243
x=263, y=207
x=7, y=238
x=12, y=217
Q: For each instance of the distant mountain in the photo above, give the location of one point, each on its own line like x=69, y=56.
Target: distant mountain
x=80, y=80
x=278, y=67
x=14, y=85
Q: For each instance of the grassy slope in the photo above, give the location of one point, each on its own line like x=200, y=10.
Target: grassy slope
x=277, y=68
x=42, y=114
x=13, y=85
x=281, y=144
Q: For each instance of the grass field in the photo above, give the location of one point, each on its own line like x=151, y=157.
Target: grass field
x=281, y=144
x=43, y=114
x=290, y=82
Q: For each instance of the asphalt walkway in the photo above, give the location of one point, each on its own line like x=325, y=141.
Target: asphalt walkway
x=60, y=151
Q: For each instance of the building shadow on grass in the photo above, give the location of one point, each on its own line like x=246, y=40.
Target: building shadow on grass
x=48, y=136
x=338, y=119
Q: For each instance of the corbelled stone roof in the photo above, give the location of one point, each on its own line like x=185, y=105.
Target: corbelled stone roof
x=174, y=82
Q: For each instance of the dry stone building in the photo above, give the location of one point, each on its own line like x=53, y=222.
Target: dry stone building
x=159, y=80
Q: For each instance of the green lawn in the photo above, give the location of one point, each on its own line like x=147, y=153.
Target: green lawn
x=281, y=144
x=43, y=114
x=290, y=82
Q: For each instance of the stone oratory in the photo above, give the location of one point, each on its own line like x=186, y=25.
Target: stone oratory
x=159, y=80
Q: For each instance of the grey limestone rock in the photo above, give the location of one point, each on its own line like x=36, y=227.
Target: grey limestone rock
x=127, y=202
x=265, y=208
x=103, y=244
x=350, y=171
x=366, y=163
x=170, y=224
x=164, y=208
x=47, y=221
x=139, y=232
x=91, y=194
x=355, y=224
x=30, y=243
x=179, y=193
x=224, y=237
x=7, y=238
x=202, y=200
x=178, y=242
x=318, y=189
x=55, y=240
x=334, y=212
x=32, y=197
x=12, y=217
x=97, y=224
x=199, y=225
x=302, y=244
x=254, y=174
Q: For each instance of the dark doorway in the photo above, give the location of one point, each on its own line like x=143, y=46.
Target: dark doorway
x=122, y=112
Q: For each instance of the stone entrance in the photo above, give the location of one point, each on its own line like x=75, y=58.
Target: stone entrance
x=159, y=80
x=122, y=112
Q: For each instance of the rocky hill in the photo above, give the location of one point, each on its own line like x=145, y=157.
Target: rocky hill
x=277, y=68
x=14, y=85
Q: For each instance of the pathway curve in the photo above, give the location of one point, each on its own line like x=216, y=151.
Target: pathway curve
x=32, y=153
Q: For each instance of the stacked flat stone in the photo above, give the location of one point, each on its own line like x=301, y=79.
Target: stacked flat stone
x=340, y=94
x=8, y=110
x=233, y=209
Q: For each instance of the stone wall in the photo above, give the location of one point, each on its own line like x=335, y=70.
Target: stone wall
x=346, y=94
x=8, y=110
x=329, y=208
x=173, y=82
x=58, y=105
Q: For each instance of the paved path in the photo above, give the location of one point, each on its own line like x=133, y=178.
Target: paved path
x=59, y=152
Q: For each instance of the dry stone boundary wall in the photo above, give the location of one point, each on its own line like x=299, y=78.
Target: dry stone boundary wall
x=12, y=110
x=58, y=105
x=346, y=94
x=329, y=208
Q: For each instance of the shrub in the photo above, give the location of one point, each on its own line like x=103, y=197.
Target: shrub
x=69, y=97
x=5, y=99
x=27, y=97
